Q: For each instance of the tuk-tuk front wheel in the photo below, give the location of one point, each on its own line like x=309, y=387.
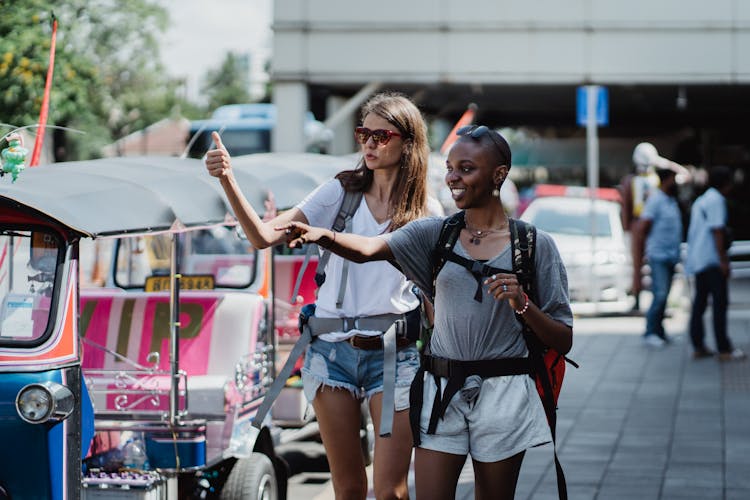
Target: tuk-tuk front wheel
x=251, y=479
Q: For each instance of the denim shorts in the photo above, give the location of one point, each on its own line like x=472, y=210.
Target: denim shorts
x=506, y=418
x=360, y=371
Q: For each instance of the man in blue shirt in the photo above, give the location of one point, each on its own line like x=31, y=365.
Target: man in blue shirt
x=660, y=230
x=707, y=259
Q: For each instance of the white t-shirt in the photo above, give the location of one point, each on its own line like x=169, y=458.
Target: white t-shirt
x=372, y=287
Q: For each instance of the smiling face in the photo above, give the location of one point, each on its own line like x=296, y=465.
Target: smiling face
x=472, y=175
x=381, y=156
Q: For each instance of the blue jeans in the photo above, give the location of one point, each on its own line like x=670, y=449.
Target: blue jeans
x=339, y=365
x=662, y=272
x=710, y=281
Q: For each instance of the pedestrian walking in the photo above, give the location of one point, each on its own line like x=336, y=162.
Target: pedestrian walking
x=344, y=364
x=659, y=230
x=707, y=244
x=492, y=417
x=635, y=189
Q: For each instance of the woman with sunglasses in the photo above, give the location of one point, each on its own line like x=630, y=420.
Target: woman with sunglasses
x=495, y=419
x=338, y=375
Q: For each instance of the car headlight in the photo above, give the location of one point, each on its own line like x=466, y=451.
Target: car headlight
x=40, y=402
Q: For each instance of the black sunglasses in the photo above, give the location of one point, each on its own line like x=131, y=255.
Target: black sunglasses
x=477, y=131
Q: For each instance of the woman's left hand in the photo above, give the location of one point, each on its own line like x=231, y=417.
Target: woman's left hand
x=506, y=287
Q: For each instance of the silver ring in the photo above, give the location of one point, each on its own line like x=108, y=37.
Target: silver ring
x=505, y=288
x=494, y=277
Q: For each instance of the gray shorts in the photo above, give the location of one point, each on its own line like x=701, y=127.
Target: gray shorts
x=506, y=418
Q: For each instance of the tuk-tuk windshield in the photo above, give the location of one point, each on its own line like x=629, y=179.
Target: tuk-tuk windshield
x=28, y=264
x=207, y=258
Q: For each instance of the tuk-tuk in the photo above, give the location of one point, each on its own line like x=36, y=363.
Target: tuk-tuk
x=144, y=387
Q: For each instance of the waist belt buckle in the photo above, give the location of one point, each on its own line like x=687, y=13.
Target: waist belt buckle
x=444, y=366
x=350, y=324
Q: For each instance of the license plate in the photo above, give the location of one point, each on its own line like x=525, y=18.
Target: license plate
x=187, y=282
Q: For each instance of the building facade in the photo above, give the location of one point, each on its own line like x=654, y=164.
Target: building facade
x=677, y=71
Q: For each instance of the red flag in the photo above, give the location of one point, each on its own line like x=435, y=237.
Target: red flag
x=45, y=100
x=465, y=119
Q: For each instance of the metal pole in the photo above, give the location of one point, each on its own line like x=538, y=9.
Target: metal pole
x=174, y=333
x=12, y=261
x=352, y=104
x=592, y=157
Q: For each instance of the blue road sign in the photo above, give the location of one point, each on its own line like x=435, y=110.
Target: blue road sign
x=602, y=105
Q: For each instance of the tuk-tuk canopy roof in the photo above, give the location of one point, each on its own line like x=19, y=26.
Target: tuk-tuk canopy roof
x=136, y=195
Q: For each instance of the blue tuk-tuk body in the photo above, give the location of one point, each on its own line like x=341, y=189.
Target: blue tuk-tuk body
x=94, y=381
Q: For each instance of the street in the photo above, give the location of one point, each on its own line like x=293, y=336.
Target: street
x=633, y=421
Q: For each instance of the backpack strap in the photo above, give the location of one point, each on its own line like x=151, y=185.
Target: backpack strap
x=449, y=234
x=343, y=222
x=523, y=248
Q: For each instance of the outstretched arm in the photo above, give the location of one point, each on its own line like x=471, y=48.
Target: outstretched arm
x=353, y=247
x=261, y=234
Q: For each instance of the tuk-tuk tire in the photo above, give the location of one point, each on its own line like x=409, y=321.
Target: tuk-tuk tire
x=251, y=479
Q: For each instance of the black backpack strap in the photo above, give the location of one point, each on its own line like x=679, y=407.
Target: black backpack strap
x=449, y=234
x=477, y=269
x=523, y=248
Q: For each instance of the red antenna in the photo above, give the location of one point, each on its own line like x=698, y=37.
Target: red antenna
x=465, y=119
x=45, y=101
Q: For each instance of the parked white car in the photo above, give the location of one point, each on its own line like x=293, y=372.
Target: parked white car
x=594, y=249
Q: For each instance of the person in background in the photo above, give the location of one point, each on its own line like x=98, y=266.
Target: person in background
x=660, y=230
x=707, y=260
x=635, y=188
x=494, y=417
x=344, y=365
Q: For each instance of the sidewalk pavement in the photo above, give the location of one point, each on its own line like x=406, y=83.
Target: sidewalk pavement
x=638, y=422
x=643, y=422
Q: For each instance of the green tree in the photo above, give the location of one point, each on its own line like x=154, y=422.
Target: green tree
x=228, y=84
x=108, y=78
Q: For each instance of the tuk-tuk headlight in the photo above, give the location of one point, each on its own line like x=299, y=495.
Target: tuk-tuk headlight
x=39, y=403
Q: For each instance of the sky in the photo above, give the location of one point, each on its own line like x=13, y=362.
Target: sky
x=203, y=31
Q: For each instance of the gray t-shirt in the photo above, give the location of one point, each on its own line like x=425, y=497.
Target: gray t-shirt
x=466, y=329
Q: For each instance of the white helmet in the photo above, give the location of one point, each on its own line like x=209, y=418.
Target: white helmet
x=645, y=155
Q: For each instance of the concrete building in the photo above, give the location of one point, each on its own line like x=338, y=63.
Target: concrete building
x=677, y=71
x=667, y=64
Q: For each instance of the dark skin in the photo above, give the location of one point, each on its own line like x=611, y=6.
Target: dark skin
x=472, y=173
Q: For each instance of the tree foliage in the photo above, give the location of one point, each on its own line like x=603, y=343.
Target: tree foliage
x=228, y=84
x=108, y=78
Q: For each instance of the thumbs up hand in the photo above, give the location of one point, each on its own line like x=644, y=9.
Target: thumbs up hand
x=218, y=162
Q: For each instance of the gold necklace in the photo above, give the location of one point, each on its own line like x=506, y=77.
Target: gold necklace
x=478, y=234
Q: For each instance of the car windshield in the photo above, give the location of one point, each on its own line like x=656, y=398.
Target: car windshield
x=28, y=265
x=556, y=220
x=217, y=253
